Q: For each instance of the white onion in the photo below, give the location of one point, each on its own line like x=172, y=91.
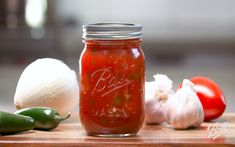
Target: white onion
x=47, y=82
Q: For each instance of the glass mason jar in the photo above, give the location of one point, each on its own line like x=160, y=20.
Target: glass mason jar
x=112, y=77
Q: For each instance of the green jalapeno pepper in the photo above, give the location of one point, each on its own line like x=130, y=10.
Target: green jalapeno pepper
x=45, y=118
x=14, y=123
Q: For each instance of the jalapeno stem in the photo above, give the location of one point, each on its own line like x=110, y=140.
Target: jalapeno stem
x=61, y=118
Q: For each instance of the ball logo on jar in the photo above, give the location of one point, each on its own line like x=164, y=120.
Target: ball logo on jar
x=106, y=82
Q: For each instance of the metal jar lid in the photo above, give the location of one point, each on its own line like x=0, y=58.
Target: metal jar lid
x=111, y=31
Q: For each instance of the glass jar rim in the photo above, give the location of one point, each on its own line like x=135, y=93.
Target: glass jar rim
x=111, y=31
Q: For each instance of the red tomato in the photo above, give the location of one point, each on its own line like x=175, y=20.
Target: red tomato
x=211, y=97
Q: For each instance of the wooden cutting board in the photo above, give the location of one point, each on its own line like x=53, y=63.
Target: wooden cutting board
x=72, y=134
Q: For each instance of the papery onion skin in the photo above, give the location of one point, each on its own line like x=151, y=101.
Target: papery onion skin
x=47, y=82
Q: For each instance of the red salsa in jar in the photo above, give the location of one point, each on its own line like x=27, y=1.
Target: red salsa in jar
x=112, y=77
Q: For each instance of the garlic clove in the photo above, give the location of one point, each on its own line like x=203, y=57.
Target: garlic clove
x=163, y=83
x=183, y=109
x=156, y=95
x=153, y=108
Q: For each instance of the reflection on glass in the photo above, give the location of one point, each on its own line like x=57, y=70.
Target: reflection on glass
x=135, y=52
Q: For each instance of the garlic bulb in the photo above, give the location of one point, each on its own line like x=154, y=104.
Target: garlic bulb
x=156, y=95
x=184, y=109
x=47, y=82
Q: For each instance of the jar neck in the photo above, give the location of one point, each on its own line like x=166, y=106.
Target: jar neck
x=113, y=42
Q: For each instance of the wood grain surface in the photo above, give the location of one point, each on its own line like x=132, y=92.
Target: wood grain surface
x=72, y=134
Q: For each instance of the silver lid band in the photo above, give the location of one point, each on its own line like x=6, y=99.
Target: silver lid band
x=111, y=31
